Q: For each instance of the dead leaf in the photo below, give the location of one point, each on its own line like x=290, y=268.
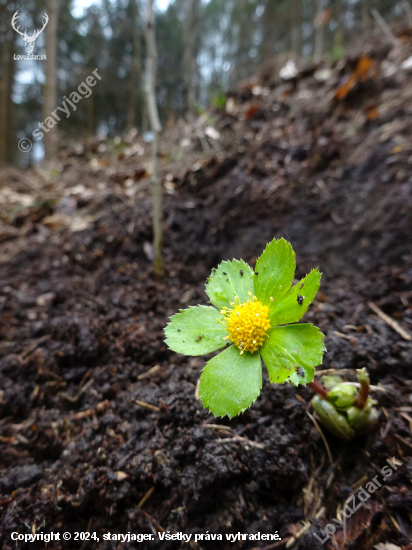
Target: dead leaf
x=360, y=72
x=148, y=250
x=212, y=133
x=251, y=111
x=372, y=113
x=120, y=476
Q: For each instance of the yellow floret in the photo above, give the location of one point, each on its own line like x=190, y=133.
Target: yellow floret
x=247, y=324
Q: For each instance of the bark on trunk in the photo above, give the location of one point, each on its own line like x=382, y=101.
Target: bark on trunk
x=135, y=105
x=319, y=31
x=50, y=87
x=190, y=53
x=4, y=100
x=156, y=128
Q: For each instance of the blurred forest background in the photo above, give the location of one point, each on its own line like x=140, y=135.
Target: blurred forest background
x=204, y=47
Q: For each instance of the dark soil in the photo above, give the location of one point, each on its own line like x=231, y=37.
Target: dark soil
x=83, y=317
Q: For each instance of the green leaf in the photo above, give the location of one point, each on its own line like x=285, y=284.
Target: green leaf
x=195, y=331
x=230, y=279
x=292, y=352
x=231, y=382
x=294, y=304
x=274, y=270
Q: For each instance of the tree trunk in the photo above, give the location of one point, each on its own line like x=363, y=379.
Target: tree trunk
x=156, y=128
x=319, y=31
x=4, y=100
x=90, y=115
x=11, y=107
x=50, y=87
x=134, y=111
x=365, y=16
x=190, y=26
x=295, y=27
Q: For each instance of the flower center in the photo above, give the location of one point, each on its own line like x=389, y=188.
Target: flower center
x=246, y=323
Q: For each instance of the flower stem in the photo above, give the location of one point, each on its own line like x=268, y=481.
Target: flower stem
x=319, y=388
x=363, y=394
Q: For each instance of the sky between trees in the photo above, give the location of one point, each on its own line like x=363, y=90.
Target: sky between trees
x=204, y=47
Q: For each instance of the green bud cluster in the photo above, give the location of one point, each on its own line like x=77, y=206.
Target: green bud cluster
x=339, y=412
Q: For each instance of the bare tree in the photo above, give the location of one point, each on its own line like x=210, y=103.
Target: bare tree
x=136, y=71
x=4, y=99
x=50, y=87
x=321, y=19
x=156, y=128
x=7, y=78
x=295, y=24
x=190, y=28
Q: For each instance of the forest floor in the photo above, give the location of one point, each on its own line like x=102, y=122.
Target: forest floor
x=100, y=430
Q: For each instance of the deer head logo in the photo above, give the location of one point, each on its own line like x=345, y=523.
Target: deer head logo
x=29, y=40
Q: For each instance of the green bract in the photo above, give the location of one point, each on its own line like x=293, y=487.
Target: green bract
x=232, y=380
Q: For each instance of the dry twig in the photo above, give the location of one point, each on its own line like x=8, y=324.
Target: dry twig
x=146, y=497
x=241, y=439
x=393, y=324
x=148, y=373
x=322, y=436
x=147, y=405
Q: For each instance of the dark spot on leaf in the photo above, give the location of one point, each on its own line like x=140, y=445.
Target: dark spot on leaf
x=300, y=299
x=224, y=273
x=256, y=273
x=301, y=286
x=241, y=272
x=179, y=330
x=300, y=372
x=199, y=338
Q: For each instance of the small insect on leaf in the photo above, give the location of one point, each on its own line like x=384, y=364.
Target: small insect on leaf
x=241, y=272
x=300, y=299
x=199, y=338
x=300, y=371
